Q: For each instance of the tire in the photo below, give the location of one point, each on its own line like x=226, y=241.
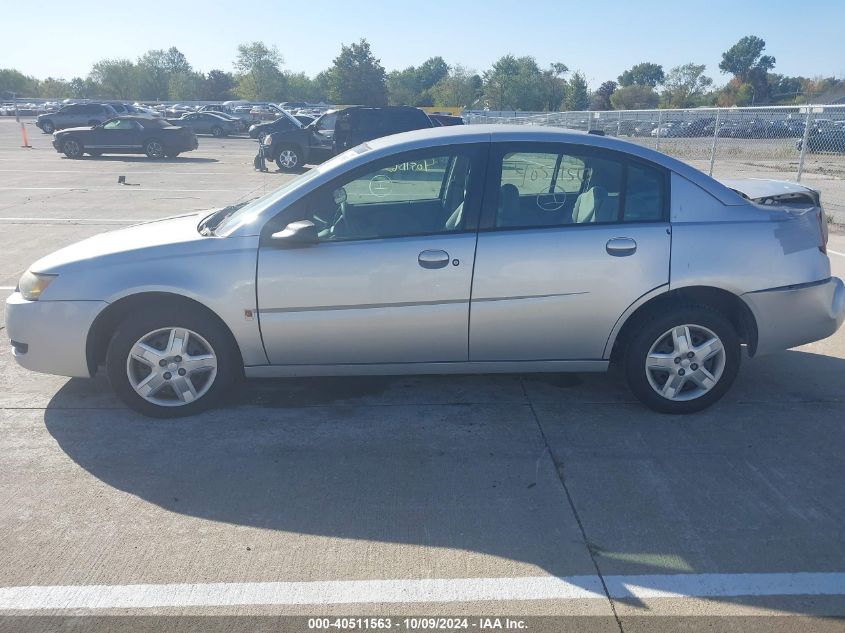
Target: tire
x=72, y=148
x=682, y=378
x=289, y=158
x=201, y=381
x=48, y=127
x=217, y=131
x=154, y=149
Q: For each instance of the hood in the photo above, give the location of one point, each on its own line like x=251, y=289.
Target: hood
x=761, y=188
x=158, y=237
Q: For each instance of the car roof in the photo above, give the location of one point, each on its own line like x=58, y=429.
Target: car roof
x=499, y=133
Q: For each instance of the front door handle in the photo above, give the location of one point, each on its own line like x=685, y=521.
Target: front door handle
x=433, y=259
x=621, y=247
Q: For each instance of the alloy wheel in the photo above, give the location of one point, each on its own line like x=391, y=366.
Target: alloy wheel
x=288, y=158
x=171, y=367
x=154, y=149
x=685, y=363
x=71, y=148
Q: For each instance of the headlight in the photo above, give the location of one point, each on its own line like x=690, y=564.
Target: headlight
x=268, y=140
x=33, y=284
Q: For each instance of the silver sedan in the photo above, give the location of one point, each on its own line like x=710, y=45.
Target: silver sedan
x=450, y=250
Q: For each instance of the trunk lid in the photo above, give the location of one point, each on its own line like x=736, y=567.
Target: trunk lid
x=792, y=198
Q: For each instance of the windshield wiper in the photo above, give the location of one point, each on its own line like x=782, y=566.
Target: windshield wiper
x=208, y=225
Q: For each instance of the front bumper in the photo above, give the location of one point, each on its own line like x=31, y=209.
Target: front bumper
x=51, y=336
x=795, y=315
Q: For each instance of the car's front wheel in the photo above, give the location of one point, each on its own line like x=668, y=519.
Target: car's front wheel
x=47, y=127
x=72, y=148
x=217, y=131
x=289, y=158
x=171, y=362
x=682, y=361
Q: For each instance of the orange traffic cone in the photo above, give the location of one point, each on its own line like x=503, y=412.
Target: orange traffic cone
x=25, y=139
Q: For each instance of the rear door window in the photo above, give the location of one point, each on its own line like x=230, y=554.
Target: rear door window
x=576, y=186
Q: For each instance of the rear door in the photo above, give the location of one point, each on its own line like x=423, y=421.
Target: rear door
x=571, y=236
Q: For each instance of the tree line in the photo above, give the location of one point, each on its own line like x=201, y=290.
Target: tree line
x=357, y=76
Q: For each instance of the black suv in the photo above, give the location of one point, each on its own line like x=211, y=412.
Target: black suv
x=335, y=132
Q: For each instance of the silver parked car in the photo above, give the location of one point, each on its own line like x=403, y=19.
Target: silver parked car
x=446, y=250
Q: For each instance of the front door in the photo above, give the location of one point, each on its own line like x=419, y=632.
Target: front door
x=389, y=279
x=322, y=138
x=117, y=134
x=571, y=237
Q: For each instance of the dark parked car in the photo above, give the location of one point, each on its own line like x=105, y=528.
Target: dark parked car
x=75, y=114
x=699, y=127
x=207, y=123
x=336, y=131
x=156, y=138
x=305, y=119
x=283, y=123
x=239, y=123
x=827, y=140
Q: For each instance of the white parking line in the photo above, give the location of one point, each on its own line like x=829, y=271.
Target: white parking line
x=836, y=253
x=7, y=287
x=423, y=590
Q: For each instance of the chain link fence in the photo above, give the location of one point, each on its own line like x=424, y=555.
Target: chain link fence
x=800, y=143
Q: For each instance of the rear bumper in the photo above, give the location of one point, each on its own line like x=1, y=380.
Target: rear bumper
x=795, y=315
x=51, y=336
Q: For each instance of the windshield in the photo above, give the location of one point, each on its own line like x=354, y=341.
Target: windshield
x=248, y=214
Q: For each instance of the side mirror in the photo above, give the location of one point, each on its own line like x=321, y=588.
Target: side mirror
x=296, y=234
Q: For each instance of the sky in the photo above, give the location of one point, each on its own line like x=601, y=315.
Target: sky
x=601, y=39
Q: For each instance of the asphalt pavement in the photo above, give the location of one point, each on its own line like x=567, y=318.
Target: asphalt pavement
x=480, y=495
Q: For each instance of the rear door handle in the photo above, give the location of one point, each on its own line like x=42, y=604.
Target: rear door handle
x=433, y=259
x=621, y=246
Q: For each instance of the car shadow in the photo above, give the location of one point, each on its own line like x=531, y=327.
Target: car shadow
x=459, y=462
x=145, y=159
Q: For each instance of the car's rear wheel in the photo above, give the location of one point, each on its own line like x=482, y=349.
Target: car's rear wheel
x=682, y=361
x=171, y=362
x=48, y=127
x=154, y=149
x=289, y=158
x=72, y=148
x=217, y=131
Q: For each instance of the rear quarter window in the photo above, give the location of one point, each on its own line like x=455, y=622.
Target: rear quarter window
x=644, y=193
